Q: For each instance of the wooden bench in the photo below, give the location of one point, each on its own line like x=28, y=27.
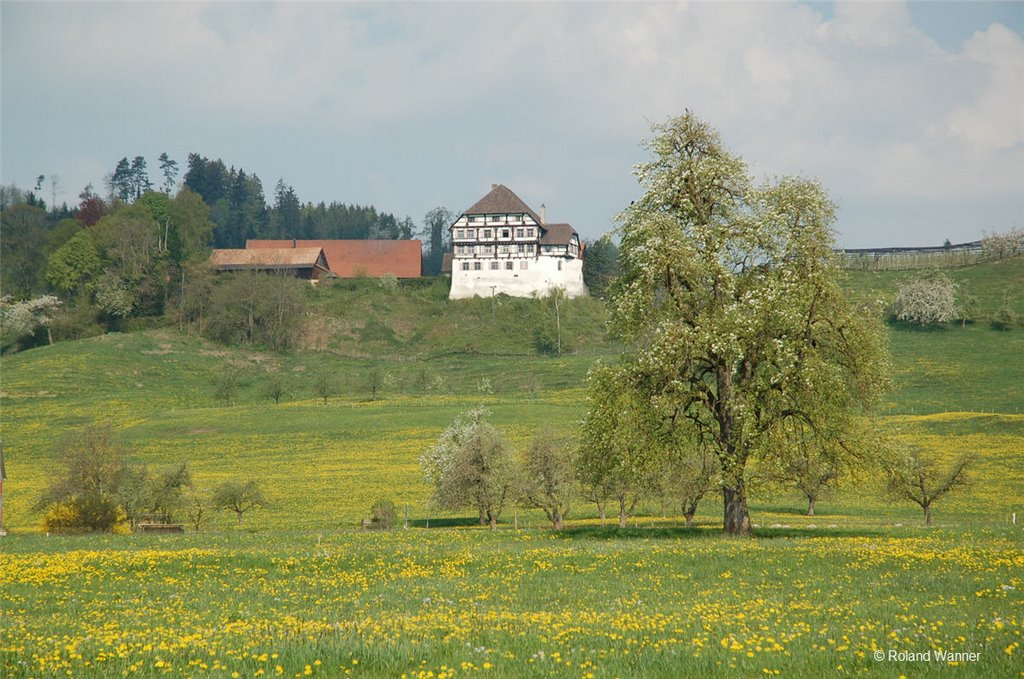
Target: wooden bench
x=161, y=528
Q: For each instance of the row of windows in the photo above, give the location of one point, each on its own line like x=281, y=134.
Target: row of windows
x=494, y=265
x=521, y=232
x=495, y=218
x=490, y=250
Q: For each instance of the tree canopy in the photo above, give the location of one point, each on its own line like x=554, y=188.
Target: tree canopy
x=730, y=306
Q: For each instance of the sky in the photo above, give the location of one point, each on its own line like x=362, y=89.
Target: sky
x=911, y=115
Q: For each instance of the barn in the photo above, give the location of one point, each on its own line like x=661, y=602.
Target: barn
x=308, y=263
x=359, y=258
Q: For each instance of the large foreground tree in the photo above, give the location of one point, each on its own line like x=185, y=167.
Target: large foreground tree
x=730, y=304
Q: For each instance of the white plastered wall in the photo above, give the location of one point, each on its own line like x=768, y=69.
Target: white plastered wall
x=540, y=278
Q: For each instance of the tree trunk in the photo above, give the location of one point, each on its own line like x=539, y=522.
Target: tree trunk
x=558, y=521
x=493, y=520
x=689, y=510
x=483, y=516
x=927, y=514
x=737, y=520
x=623, y=515
x=602, y=512
x=810, y=505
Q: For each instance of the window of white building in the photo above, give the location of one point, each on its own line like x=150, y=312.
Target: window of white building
x=522, y=264
x=508, y=264
x=494, y=265
x=476, y=266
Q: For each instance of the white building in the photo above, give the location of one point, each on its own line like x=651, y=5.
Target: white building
x=500, y=245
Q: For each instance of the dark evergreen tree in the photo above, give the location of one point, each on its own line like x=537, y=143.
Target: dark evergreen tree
x=120, y=183
x=286, y=217
x=140, y=177
x=207, y=178
x=600, y=265
x=169, y=168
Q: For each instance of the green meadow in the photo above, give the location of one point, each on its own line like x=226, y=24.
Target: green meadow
x=298, y=590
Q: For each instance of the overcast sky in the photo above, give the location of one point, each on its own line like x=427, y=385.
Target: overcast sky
x=911, y=115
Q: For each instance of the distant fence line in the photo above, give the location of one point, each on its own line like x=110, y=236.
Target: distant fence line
x=890, y=259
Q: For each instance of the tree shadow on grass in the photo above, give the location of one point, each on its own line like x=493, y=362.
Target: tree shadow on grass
x=709, y=532
x=910, y=326
x=446, y=522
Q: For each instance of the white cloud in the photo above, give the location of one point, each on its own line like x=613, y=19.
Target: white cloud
x=545, y=95
x=995, y=119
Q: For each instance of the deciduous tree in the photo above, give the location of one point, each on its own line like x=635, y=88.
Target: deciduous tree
x=435, y=229
x=730, y=305
x=91, y=469
x=471, y=466
x=239, y=497
x=548, y=471
x=74, y=265
x=22, y=242
x=620, y=457
x=26, y=318
x=927, y=299
x=919, y=477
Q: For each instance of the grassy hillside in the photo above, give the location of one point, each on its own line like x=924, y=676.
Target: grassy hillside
x=367, y=318
x=325, y=464
x=955, y=368
x=298, y=592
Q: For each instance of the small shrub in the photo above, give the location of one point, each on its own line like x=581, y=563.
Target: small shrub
x=1004, y=319
x=90, y=513
x=388, y=282
x=383, y=513
x=76, y=322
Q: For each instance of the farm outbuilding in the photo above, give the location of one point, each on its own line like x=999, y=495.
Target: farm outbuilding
x=359, y=258
x=308, y=263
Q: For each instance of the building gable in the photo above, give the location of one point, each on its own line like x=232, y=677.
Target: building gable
x=355, y=258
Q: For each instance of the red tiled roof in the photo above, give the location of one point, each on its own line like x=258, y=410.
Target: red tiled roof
x=353, y=258
x=269, y=258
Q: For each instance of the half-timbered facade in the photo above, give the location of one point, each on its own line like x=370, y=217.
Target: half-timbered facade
x=500, y=245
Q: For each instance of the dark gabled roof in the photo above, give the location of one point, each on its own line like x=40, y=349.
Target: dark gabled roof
x=500, y=201
x=557, y=234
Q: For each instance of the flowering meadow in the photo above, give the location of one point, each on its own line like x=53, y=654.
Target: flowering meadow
x=448, y=602
x=298, y=590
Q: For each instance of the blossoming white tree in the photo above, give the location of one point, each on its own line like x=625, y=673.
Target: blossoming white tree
x=730, y=306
